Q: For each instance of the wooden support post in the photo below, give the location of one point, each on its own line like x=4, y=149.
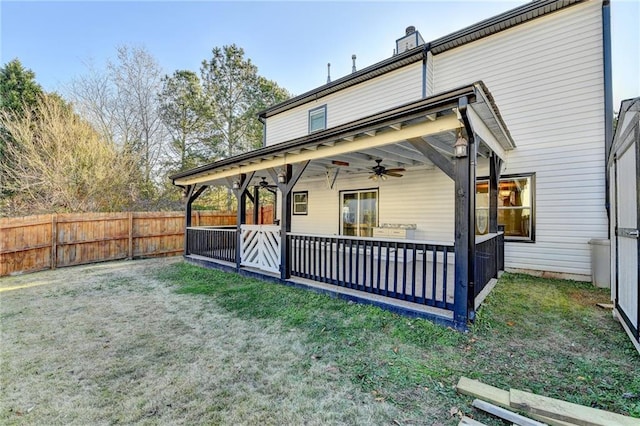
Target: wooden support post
x=54, y=240
x=256, y=205
x=241, y=197
x=461, y=242
x=187, y=217
x=471, y=227
x=495, y=163
x=192, y=195
x=130, y=222
x=464, y=227
x=494, y=181
x=292, y=175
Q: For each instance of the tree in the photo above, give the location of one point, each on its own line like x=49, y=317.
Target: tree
x=60, y=163
x=185, y=113
x=18, y=88
x=236, y=92
x=122, y=103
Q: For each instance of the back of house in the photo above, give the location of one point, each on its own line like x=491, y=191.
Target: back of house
x=545, y=66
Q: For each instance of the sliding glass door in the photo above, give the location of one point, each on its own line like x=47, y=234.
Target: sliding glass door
x=359, y=212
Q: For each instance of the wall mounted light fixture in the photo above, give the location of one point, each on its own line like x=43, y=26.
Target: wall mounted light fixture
x=461, y=146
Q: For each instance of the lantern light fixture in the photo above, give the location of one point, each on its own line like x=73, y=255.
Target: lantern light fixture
x=461, y=146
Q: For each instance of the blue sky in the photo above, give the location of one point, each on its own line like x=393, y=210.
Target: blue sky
x=290, y=42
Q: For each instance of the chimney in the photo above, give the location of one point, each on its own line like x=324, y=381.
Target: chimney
x=410, y=40
x=329, y=72
x=353, y=67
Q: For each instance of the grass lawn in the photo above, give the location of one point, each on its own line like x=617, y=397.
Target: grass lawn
x=164, y=342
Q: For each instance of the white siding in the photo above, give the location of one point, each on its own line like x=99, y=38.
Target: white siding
x=381, y=93
x=422, y=197
x=547, y=80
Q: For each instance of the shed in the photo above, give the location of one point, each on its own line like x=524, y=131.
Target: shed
x=623, y=168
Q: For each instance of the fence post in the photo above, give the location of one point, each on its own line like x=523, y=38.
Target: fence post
x=130, y=221
x=54, y=240
x=197, y=218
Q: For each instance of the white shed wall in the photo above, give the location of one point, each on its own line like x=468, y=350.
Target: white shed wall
x=381, y=93
x=546, y=77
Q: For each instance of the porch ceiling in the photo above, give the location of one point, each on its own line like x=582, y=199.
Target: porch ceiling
x=358, y=144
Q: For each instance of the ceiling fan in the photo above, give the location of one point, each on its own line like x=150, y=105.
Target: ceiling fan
x=380, y=171
x=264, y=184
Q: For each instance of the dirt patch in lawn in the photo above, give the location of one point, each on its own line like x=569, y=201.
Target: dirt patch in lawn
x=109, y=343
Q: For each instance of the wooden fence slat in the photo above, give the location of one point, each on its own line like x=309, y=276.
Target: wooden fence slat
x=39, y=242
x=130, y=251
x=54, y=240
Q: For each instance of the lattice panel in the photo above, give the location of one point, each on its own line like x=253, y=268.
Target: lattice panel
x=260, y=247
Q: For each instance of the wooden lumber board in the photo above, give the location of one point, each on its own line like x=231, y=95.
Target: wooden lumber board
x=483, y=391
x=468, y=421
x=605, y=305
x=567, y=411
x=498, y=397
x=503, y=413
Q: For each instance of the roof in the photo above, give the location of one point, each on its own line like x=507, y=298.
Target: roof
x=485, y=28
x=441, y=105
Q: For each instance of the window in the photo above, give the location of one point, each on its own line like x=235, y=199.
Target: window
x=515, y=207
x=359, y=212
x=300, y=202
x=318, y=119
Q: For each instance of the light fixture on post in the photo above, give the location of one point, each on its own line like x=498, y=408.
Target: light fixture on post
x=461, y=145
x=236, y=184
x=282, y=177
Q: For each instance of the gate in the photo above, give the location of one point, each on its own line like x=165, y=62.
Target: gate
x=260, y=247
x=624, y=173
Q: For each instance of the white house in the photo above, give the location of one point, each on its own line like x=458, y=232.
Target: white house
x=396, y=181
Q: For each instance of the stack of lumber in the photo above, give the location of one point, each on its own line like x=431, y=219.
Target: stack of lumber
x=544, y=410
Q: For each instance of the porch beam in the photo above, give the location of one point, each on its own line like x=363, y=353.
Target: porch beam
x=448, y=122
x=442, y=162
x=292, y=175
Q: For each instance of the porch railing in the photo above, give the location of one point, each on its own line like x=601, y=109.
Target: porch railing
x=488, y=261
x=415, y=271
x=214, y=242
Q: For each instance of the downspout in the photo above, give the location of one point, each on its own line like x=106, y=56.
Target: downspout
x=264, y=130
x=608, y=98
x=425, y=52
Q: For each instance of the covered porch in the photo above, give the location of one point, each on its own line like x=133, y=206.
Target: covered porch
x=451, y=134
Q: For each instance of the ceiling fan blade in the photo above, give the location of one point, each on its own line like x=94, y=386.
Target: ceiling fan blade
x=399, y=169
x=388, y=173
x=373, y=177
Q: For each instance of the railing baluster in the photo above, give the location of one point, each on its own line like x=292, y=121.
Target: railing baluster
x=434, y=274
x=379, y=245
x=386, y=269
x=413, y=273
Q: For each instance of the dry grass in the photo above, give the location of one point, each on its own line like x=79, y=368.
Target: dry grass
x=110, y=344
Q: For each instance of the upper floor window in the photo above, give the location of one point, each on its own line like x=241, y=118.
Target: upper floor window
x=516, y=197
x=318, y=119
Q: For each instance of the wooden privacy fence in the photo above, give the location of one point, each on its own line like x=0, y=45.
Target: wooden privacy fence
x=51, y=241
